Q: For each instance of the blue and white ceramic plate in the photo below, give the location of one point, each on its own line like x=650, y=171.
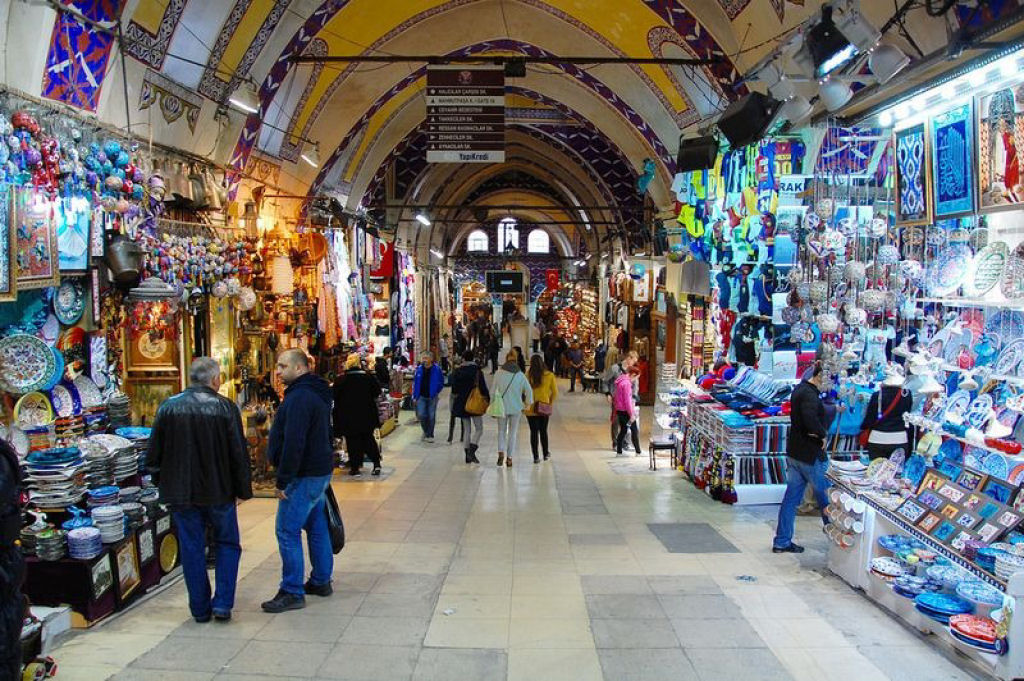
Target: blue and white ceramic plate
x=914, y=469
x=979, y=592
x=946, y=604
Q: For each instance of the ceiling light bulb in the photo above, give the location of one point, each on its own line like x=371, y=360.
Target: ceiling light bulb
x=311, y=155
x=835, y=94
x=434, y=251
x=886, y=60
x=423, y=219
x=245, y=98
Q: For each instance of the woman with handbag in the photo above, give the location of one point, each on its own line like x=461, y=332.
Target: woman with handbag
x=469, y=401
x=545, y=391
x=512, y=392
x=883, y=430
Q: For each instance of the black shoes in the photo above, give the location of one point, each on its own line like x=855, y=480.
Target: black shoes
x=202, y=620
x=376, y=471
x=792, y=548
x=222, y=615
x=547, y=456
x=323, y=590
x=355, y=474
x=471, y=453
x=536, y=459
x=285, y=601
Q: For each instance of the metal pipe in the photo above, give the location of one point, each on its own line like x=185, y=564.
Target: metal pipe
x=442, y=59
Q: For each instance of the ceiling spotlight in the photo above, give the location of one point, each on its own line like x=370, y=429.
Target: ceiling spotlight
x=834, y=95
x=245, y=97
x=886, y=61
x=311, y=154
x=828, y=47
x=796, y=109
x=436, y=253
x=423, y=219
x=885, y=118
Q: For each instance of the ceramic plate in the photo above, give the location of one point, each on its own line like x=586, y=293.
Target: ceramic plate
x=88, y=392
x=1009, y=358
x=988, y=268
x=1007, y=323
x=947, y=271
x=997, y=466
x=951, y=450
x=1012, y=284
x=956, y=342
x=956, y=406
x=914, y=469
x=980, y=410
x=947, y=604
x=32, y=410
x=979, y=592
x=69, y=302
x=28, y=363
x=60, y=398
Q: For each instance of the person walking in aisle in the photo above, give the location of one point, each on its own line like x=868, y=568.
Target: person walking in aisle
x=443, y=349
x=514, y=391
x=545, y=392
x=468, y=376
x=382, y=369
x=356, y=416
x=575, y=356
x=198, y=458
x=600, y=353
x=427, y=384
x=626, y=412
x=806, y=460
x=623, y=366
x=520, y=358
x=493, y=346
x=299, y=447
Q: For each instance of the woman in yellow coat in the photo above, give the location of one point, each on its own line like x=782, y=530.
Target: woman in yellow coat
x=545, y=392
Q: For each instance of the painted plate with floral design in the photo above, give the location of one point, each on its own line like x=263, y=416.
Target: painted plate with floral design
x=28, y=362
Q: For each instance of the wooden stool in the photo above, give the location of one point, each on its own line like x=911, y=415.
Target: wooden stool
x=661, y=445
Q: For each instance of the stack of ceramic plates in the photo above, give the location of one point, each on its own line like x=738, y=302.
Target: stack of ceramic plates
x=1007, y=564
x=85, y=543
x=39, y=438
x=134, y=514
x=126, y=463
x=139, y=438
x=940, y=607
x=887, y=569
x=95, y=419
x=69, y=428
x=55, y=477
x=100, y=471
x=849, y=469
x=109, y=520
x=130, y=494
x=979, y=593
x=976, y=632
x=987, y=558
x=910, y=586
x=119, y=410
x=898, y=543
x=29, y=534
x=150, y=498
x=949, y=576
x=103, y=496
x=50, y=544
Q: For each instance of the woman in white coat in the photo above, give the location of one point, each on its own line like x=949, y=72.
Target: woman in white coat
x=513, y=389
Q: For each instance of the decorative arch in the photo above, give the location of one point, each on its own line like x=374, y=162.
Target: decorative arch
x=538, y=241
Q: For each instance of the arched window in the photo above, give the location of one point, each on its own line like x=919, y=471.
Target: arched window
x=477, y=241
x=538, y=242
x=508, y=235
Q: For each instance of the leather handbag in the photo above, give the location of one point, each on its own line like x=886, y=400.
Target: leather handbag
x=476, y=403
x=543, y=408
x=865, y=434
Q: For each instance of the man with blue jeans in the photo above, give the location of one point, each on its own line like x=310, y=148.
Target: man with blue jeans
x=197, y=457
x=806, y=460
x=300, y=449
x=427, y=384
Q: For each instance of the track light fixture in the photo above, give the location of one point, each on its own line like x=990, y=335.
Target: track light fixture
x=311, y=154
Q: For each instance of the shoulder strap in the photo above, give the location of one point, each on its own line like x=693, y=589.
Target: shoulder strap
x=892, y=405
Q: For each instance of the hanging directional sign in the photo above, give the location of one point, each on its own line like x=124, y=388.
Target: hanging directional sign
x=465, y=114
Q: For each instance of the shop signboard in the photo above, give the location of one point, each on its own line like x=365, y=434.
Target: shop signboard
x=465, y=114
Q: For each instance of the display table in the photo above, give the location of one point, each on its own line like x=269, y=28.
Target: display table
x=852, y=565
x=111, y=581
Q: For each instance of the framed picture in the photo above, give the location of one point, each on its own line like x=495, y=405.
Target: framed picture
x=913, y=192
x=989, y=532
x=149, y=353
x=951, y=469
x=999, y=138
x=932, y=480
x=97, y=234
x=72, y=221
x=928, y=523
x=147, y=394
x=147, y=551
x=989, y=509
x=911, y=510
x=99, y=370
x=950, y=511
x=968, y=520
x=999, y=490
x=128, y=573
x=8, y=274
x=94, y=287
x=1008, y=519
x=35, y=252
x=960, y=540
x=102, y=576
x=952, y=152
x=945, y=531
x=973, y=501
x=930, y=499
x=951, y=491
x=971, y=480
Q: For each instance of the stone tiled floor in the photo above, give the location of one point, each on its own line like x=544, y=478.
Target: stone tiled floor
x=542, y=572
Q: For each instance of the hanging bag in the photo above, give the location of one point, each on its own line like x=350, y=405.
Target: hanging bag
x=497, y=407
x=476, y=403
x=865, y=434
x=335, y=525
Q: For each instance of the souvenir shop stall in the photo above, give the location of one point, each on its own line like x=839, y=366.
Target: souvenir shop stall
x=575, y=314
x=628, y=318
x=933, y=532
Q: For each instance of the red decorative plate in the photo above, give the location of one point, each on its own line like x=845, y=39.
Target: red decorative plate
x=977, y=628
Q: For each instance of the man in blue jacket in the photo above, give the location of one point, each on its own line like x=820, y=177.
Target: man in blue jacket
x=427, y=384
x=300, y=449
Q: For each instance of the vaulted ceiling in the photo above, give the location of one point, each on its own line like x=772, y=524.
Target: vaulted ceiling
x=581, y=131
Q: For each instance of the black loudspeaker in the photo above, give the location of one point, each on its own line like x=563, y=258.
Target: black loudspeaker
x=697, y=153
x=746, y=120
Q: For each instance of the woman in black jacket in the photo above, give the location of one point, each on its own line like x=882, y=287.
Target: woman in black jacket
x=884, y=418
x=355, y=415
x=469, y=375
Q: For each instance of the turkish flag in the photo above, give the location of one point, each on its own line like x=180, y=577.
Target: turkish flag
x=552, y=277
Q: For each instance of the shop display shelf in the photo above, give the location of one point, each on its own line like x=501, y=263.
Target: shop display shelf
x=927, y=427
x=755, y=495
x=975, y=302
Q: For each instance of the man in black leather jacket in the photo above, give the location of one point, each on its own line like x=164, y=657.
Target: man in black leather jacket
x=198, y=458
x=12, y=566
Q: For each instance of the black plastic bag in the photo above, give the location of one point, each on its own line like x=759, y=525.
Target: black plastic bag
x=335, y=525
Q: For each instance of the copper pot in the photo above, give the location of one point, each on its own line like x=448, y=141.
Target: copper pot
x=124, y=258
